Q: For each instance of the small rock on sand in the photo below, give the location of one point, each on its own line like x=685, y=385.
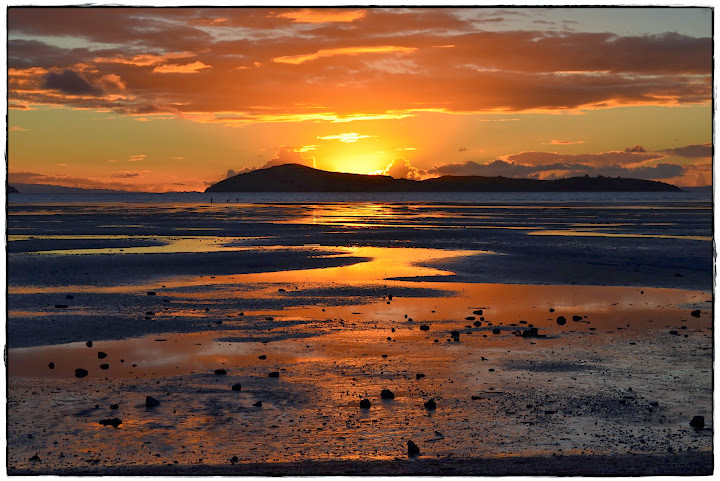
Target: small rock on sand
x=114, y=422
x=234, y=459
x=365, y=404
x=236, y=387
x=478, y=312
x=470, y=318
x=577, y=318
x=413, y=449
x=274, y=374
x=419, y=375
x=698, y=422
x=220, y=372
x=35, y=458
x=263, y=356
x=477, y=323
x=258, y=404
x=151, y=402
x=80, y=372
x=104, y=366
x=430, y=405
x=454, y=333
x=88, y=344
x=51, y=365
x=424, y=327
x=387, y=394
x=695, y=313
x=114, y=406
x=496, y=331
x=151, y=293
x=561, y=320
x=102, y=355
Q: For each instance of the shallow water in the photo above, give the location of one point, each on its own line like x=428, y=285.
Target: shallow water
x=309, y=287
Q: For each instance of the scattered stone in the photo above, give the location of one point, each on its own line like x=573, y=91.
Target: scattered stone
x=384, y=356
x=424, y=327
x=114, y=406
x=51, y=365
x=552, y=310
x=151, y=293
x=413, y=449
x=470, y=318
x=101, y=355
x=532, y=332
x=220, y=372
x=281, y=290
x=454, y=333
x=496, y=331
x=673, y=333
x=475, y=398
x=389, y=297
x=695, y=313
x=419, y=376
x=258, y=404
x=561, y=320
x=104, y=366
x=234, y=459
x=114, y=422
x=61, y=306
x=149, y=313
x=274, y=374
x=478, y=312
x=698, y=422
x=387, y=394
x=35, y=458
x=430, y=405
x=236, y=387
x=80, y=372
x=477, y=323
x=88, y=344
x=262, y=356
x=151, y=402
x=365, y=404
x=577, y=318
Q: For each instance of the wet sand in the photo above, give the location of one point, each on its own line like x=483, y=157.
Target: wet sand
x=609, y=391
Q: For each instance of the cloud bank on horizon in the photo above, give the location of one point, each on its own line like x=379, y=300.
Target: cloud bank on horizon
x=297, y=74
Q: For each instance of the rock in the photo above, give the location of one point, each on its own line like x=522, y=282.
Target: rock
x=695, y=313
x=454, y=333
x=151, y=293
x=262, y=356
x=80, y=372
x=561, y=320
x=496, y=331
x=88, y=344
x=577, y=318
x=236, y=387
x=258, y=404
x=220, y=372
x=365, y=404
x=151, y=402
x=413, y=449
x=430, y=405
x=478, y=312
x=387, y=394
x=698, y=422
x=281, y=290
x=389, y=297
x=114, y=422
x=114, y=406
x=477, y=323
x=274, y=374
x=673, y=333
x=35, y=458
x=61, y=306
x=104, y=366
x=470, y=318
x=424, y=327
x=532, y=332
x=149, y=313
x=552, y=310
x=51, y=365
x=101, y=355
x=234, y=459
x=419, y=376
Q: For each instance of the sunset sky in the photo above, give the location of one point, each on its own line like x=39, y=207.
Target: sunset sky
x=162, y=99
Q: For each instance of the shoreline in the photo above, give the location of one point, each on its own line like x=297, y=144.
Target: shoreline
x=673, y=464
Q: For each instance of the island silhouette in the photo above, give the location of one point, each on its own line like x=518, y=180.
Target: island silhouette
x=300, y=178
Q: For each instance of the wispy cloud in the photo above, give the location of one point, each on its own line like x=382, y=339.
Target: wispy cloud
x=348, y=137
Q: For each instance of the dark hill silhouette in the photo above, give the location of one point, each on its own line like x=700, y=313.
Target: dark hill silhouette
x=299, y=178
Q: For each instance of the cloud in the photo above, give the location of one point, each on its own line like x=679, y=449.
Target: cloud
x=112, y=82
x=331, y=52
x=698, y=150
x=194, y=67
x=566, y=142
x=137, y=157
x=636, y=148
x=17, y=128
x=127, y=174
x=230, y=173
x=401, y=169
x=307, y=15
x=70, y=82
x=601, y=158
x=348, y=137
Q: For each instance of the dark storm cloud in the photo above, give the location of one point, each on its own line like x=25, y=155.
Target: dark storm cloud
x=70, y=82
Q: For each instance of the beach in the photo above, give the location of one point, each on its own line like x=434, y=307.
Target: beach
x=555, y=336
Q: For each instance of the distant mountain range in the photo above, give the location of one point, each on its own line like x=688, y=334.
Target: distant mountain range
x=57, y=189
x=299, y=178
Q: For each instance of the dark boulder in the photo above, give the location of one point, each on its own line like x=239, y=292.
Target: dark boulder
x=419, y=375
x=478, y=312
x=262, y=356
x=496, y=331
x=424, y=327
x=577, y=318
x=470, y=318
x=114, y=422
x=698, y=422
x=236, y=387
x=274, y=374
x=151, y=293
x=35, y=458
x=454, y=333
x=561, y=320
x=51, y=365
x=413, y=449
x=234, y=459
x=151, y=402
x=220, y=372
x=88, y=344
x=258, y=404
x=114, y=406
x=104, y=366
x=365, y=404
x=430, y=405
x=80, y=372
x=477, y=323
x=101, y=355
x=695, y=313
x=387, y=394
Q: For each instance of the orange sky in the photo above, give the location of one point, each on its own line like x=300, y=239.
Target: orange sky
x=177, y=99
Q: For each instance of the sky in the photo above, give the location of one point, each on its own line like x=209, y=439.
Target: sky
x=176, y=99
